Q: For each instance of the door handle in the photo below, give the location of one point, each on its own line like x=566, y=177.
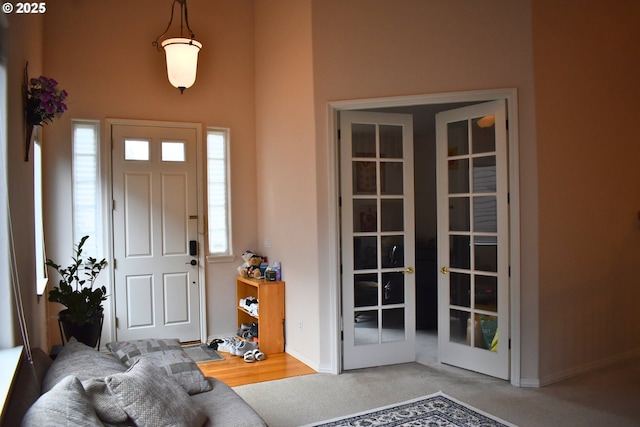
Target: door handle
x=444, y=270
x=408, y=270
x=192, y=262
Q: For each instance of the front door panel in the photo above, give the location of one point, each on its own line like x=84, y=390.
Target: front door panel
x=155, y=216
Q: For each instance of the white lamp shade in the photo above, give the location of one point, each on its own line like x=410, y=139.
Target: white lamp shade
x=182, y=61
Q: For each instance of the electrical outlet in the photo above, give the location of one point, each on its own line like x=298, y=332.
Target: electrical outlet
x=267, y=242
x=301, y=326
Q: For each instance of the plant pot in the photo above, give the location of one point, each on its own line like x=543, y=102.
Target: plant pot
x=87, y=333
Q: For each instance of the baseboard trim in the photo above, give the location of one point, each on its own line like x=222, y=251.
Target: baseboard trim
x=301, y=357
x=588, y=367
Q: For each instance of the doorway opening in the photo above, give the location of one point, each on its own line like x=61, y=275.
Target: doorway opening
x=424, y=109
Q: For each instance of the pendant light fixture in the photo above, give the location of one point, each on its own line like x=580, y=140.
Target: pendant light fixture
x=181, y=52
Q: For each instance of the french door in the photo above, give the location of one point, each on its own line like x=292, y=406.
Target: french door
x=155, y=217
x=473, y=238
x=378, y=250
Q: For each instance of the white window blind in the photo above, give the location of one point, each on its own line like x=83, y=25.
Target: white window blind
x=86, y=186
x=218, y=206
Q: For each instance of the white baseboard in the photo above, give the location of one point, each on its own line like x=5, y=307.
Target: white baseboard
x=588, y=367
x=301, y=357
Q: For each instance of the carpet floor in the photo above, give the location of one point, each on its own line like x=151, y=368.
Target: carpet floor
x=606, y=397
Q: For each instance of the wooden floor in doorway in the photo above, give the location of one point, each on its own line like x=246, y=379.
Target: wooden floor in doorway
x=234, y=371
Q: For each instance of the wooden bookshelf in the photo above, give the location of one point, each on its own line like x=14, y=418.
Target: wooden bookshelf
x=270, y=318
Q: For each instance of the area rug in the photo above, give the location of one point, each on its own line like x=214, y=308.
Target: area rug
x=435, y=410
x=202, y=353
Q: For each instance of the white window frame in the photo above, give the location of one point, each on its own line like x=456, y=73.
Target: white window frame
x=95, y=244
x=40, y=253
x=225, y=253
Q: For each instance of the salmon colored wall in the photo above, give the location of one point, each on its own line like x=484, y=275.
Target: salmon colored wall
x=101, y=53
x=587, y=90
x=286, y=163
x=24, y=44
x=365, y=49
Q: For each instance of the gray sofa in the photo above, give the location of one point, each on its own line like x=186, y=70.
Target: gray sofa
x=140, y=383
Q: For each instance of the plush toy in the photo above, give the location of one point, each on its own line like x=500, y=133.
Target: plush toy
x=251, y=265
x=254, y=267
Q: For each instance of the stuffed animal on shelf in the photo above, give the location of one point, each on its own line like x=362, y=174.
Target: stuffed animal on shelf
x=251, y=265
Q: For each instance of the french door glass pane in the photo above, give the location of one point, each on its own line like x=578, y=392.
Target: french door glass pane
x=392, y=211
x=484, y=174
x=483, y=135
x=486, y=293
x=459, y=214
x=363, y=140
x=392, y=251
x=364, y=178
x=458, y=326
x=366, y=327
x=460, y=252
x=365, y=213
x=393, y=325
x=458, y=138
x=460, y=289
x=485, y=214
x=486, y=332
x=486, y=253
x=365, y=252
x=393, y=288
x=365, y=289
x=391, y=142
x=391, y=176
x=458, y=176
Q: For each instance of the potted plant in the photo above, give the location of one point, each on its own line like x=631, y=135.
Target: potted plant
x=83, y=315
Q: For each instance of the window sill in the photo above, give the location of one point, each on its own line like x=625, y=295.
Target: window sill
x=219, y=259
x=41, y=285
x=9, y=363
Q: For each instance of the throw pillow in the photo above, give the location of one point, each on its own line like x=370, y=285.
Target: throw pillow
x=65, y=404
x=81, y=361
x=153, y=399
x=168, y=355
x=103, y=402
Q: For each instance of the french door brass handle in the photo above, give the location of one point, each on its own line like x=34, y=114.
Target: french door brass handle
x=409, y=270
x=444, y=270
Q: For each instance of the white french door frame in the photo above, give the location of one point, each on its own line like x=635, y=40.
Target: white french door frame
x=105, y=153
x=510, y=95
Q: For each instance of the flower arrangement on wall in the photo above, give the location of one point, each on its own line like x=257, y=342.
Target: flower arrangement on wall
x=43, y=102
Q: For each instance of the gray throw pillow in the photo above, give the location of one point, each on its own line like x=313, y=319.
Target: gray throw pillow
x=152, y=399
x=81, y=361
x=65, y=404
x=103, y=402
x=166, y=354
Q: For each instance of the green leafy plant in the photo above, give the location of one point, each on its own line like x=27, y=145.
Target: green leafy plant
x=76, y=287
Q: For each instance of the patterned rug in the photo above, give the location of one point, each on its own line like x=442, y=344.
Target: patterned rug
x=435, y=410
x=201, y=353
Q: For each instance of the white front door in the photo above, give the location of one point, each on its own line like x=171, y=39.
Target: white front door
x=155, y=217
x=378, y=250
x=473, y=238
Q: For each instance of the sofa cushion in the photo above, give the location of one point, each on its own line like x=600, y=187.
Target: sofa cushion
x=104, y=403
x=81, y=361
x=66, y=404
x=151, y=398
x=166, y=354
x=225, y=407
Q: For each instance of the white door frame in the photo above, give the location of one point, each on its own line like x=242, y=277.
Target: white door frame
x=508, y=94
x=105, y=153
